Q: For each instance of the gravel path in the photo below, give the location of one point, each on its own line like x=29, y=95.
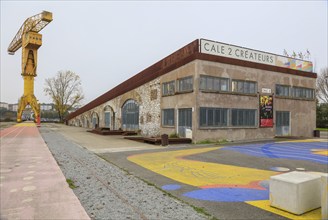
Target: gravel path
x=107, y=192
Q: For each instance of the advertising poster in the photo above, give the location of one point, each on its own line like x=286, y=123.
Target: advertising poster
x=266, y=111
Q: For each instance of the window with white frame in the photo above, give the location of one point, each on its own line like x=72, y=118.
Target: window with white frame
x=168, y=117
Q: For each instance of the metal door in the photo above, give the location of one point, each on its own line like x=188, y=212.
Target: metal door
x=185, y=121
x=130, y=115
x=282, y=123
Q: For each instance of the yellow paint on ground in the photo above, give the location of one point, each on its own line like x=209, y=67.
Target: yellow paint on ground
x=320, y=152
x=26, y=124
x=265, y=204
x=303, y=141
x=197, y=173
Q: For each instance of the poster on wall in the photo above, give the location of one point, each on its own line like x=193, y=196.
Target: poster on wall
x=266, y=111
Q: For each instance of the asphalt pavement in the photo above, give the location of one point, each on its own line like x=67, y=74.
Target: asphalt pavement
x=227, y=181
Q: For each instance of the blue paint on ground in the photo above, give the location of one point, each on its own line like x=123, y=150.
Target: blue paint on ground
x=266, y=150
x=293, y=151
x=171, y=187
x=228, y=194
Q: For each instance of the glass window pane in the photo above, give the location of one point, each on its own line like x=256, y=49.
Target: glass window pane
x=202, y=83
x=168, y=117
x=224, y=84
x=185, y=84
x=210, y=119
x=252, y=86
x=246, y=87
x=210, y=82
x=202, y=118
x=216, y=86
x=213, y=117
x=243, y=117
x=234, y=86
x=240, y=87
x=278, y=90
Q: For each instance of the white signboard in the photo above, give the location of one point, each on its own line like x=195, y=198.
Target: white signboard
x=241, y=53
x=266, y=90
x=226, y=50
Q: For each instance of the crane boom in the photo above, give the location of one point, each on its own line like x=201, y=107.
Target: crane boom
x=34, y=24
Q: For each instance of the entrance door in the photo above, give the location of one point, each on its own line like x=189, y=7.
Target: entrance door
x=130, y=116
x=282, y=123
x=94, y=122
x=185, y=121
x=107, y=119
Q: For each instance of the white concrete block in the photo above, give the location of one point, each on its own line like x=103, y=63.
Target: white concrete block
x=295, y=192
x=324, y=196
x=188, y=133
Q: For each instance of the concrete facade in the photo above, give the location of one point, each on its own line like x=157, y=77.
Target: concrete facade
x=303, y=112
x=151, y=100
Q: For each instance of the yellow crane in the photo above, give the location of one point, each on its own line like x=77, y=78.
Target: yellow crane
x=29, y=40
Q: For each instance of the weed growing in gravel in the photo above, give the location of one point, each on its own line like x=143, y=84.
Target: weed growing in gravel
x=71, y=183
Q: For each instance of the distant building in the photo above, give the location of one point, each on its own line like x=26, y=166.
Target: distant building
x=47, y=107
x=4, y=105
x=28, y=113
x=13, y=107
x=43, y=106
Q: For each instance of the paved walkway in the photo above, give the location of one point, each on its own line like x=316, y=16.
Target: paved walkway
x=99, y=143
x=32, y=184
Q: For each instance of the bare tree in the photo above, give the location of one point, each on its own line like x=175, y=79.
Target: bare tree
x=322, y=86
x=65, y=90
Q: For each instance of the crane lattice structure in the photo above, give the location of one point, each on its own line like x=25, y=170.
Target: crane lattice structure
x=29, y=40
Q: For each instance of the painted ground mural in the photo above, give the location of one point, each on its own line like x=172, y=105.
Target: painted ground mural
x=229, y=183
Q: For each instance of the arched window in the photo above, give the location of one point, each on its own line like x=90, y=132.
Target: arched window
x=130, y=115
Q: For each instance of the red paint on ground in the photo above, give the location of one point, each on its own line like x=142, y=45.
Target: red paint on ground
x=32, y=184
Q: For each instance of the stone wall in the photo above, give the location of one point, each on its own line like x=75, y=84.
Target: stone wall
x=147, y=97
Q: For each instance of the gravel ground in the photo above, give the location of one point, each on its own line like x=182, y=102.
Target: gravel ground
x=107, y=192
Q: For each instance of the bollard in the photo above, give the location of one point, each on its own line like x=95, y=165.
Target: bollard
x=164, y=140
x=38, y=121
x=316, y=133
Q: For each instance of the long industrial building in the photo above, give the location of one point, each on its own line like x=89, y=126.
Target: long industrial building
x=211, y=91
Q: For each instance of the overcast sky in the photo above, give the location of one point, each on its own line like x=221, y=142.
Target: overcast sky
x=107, y=42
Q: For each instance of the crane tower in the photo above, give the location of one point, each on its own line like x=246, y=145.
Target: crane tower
x=29, y=39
